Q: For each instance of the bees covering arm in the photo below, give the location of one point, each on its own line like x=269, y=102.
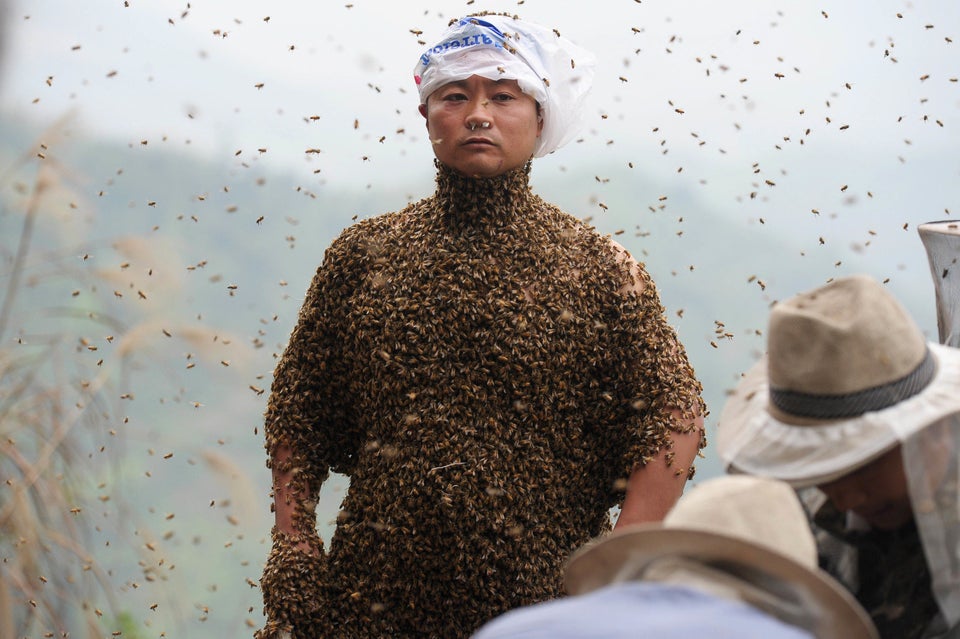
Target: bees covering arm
x=306, y=429
x=668, y=406
x=653, y=488
x=294, y=502
x=298, y=454
x=293, y=574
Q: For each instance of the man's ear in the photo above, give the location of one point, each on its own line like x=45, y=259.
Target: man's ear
x=423, y=110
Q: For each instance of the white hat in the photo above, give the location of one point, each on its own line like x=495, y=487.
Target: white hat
x=752, y=528
x=549, y=68
x=847, y=377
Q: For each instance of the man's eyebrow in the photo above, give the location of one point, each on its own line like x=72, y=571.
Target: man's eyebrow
x=463, y=83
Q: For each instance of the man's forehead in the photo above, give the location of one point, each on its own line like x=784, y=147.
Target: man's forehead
x=465, y=81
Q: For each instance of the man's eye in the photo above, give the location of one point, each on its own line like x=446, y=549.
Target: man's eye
x=454, y=97
x=503, y=97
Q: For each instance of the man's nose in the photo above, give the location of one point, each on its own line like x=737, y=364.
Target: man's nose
x=844, y=495
x=477, y=113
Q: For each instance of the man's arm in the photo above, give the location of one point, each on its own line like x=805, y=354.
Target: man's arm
x=294, y=570
x=653, y=488
x=294, y=508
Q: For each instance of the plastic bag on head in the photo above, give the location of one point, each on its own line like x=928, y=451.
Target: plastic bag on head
x=554, y=71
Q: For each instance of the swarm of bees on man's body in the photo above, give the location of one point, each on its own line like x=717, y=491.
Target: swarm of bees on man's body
x=473, y=364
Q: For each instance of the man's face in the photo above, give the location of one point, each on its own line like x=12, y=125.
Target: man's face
x=877, y=492
x=482, y=127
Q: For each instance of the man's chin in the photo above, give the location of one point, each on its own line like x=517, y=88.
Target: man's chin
x=889, y=518
x=481, y=170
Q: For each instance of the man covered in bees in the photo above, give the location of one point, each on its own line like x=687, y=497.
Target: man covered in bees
x=492, y=374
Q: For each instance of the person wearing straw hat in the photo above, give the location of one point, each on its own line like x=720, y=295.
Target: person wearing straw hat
x=491, y=373
x=856, y=409
x=734, y=559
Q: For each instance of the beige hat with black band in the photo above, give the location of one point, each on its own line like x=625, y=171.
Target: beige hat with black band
x=753, y=540
x=847, y=376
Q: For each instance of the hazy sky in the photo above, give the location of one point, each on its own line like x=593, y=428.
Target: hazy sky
x=722, y=82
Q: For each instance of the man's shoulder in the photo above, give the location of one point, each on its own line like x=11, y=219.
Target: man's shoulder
x=380, y=223
x=580, y=231
x=379, y=228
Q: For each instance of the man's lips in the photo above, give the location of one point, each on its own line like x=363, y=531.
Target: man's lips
x=478, y=141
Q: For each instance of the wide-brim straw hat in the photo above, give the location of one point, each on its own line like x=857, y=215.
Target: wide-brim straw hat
x=752, y=528
x=848, y=376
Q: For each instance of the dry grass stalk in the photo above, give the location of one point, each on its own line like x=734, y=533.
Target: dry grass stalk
x=56, y=403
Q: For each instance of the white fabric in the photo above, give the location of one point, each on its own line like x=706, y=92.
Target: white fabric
x=781, y=599
x=554, y=71
x=942, y=243
x=637, y=609
x=932, y=466
x=751, y=440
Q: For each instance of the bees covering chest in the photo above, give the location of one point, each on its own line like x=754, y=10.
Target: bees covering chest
x=433, y=303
